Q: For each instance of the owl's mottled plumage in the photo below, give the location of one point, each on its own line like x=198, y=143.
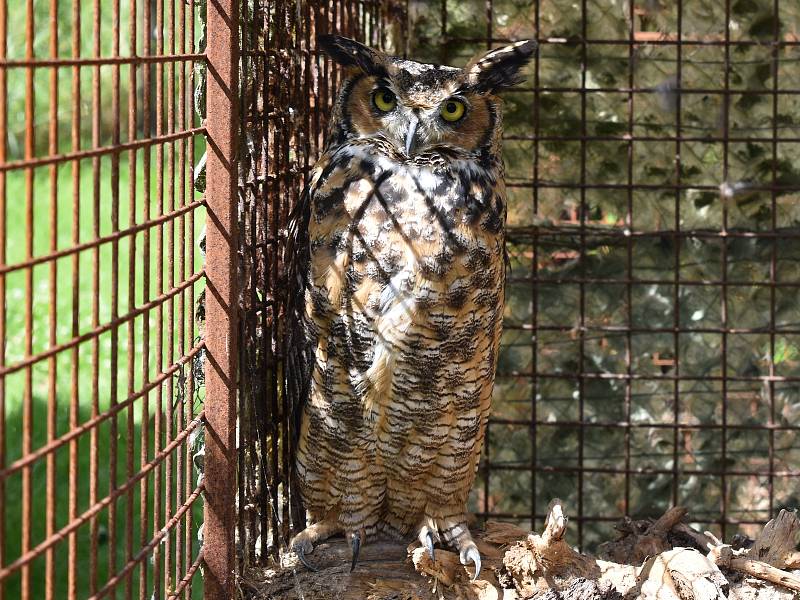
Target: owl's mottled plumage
x=397, y=269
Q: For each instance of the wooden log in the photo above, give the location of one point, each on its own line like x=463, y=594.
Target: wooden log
x=776, y=543
x=767, y=572
x=545, y=563
x=681, y=574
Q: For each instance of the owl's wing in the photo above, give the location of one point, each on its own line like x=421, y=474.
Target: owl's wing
x=298, y=349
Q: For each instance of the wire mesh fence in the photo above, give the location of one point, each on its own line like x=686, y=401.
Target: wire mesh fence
x=99, y=274
x=650, y=352
x=288, y=90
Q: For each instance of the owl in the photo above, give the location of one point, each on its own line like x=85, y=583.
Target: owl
x=396, y=261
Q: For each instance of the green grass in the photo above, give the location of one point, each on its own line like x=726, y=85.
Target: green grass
x=99, y=389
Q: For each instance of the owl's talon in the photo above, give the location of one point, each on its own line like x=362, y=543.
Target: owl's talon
x=471, y=555
x=301, y=554
x=429, y=545
x=355, y=545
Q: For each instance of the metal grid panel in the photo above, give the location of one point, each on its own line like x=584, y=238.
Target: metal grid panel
x=99, y=275
x=695, y=407
x=287, y=93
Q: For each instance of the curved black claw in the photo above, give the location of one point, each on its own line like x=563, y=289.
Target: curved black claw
x=355, y=544
x=472, y=556
x=302, y=556
x=429, y=545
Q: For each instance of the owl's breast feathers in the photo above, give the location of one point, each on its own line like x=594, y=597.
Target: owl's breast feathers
x=403, y=309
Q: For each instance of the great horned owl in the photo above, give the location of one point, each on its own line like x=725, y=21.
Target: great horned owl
x=396, y=276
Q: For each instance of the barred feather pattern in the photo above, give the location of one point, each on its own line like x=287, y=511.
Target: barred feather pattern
x=400, y=305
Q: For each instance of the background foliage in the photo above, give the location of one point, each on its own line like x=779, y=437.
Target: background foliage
x=645, y=281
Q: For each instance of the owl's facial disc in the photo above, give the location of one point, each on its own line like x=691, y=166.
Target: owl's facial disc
x=420, y=107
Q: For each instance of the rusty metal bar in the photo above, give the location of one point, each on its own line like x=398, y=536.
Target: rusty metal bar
x=185, y=583
x=3, y=249
x=646, y=425
x=132, y=263
x=27, y=399
x=724, y=272
x=144, y=514
x=72, y=542
x=794, y=473
x=52, y=385
x=158, y=425
x=677, y=41
x=95, y=346
x=775, y=62
x=697, y=518
x=167, y=237
x=180, y=562
x=96, y=61
x=221, y=298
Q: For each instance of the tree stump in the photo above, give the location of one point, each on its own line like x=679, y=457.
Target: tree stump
x=649, y=562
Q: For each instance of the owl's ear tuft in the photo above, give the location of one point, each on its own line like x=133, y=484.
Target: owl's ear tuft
x=498, y=69
x=350, y=53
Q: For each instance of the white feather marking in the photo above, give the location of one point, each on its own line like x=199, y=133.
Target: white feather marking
x=427, y=180
x=396, y=312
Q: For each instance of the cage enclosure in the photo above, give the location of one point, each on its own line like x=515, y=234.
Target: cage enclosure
x=648, y=358
x=650, y=353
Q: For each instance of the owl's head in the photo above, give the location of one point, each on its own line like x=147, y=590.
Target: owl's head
x=419, y=107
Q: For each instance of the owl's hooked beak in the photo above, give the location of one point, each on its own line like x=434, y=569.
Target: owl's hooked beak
x=411, y=134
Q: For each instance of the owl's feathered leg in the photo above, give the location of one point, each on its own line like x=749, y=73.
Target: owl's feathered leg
x=303, y=543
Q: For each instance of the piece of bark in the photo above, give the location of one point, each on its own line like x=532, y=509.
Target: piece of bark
x=445, y=569
x=699, y=541
x=583, y=589
x=766, y=572
x=552, y=554
x=448, y=578
x=543, y=563
x=777, y=542
x=755, y=589
x=503, y=534
x=654, y=541
x=681, y=574
x=741, y=560
x=640, y=539
x=383, y=573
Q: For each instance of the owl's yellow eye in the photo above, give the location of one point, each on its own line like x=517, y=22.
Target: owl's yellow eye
x=452, y=110
x=384, y=100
